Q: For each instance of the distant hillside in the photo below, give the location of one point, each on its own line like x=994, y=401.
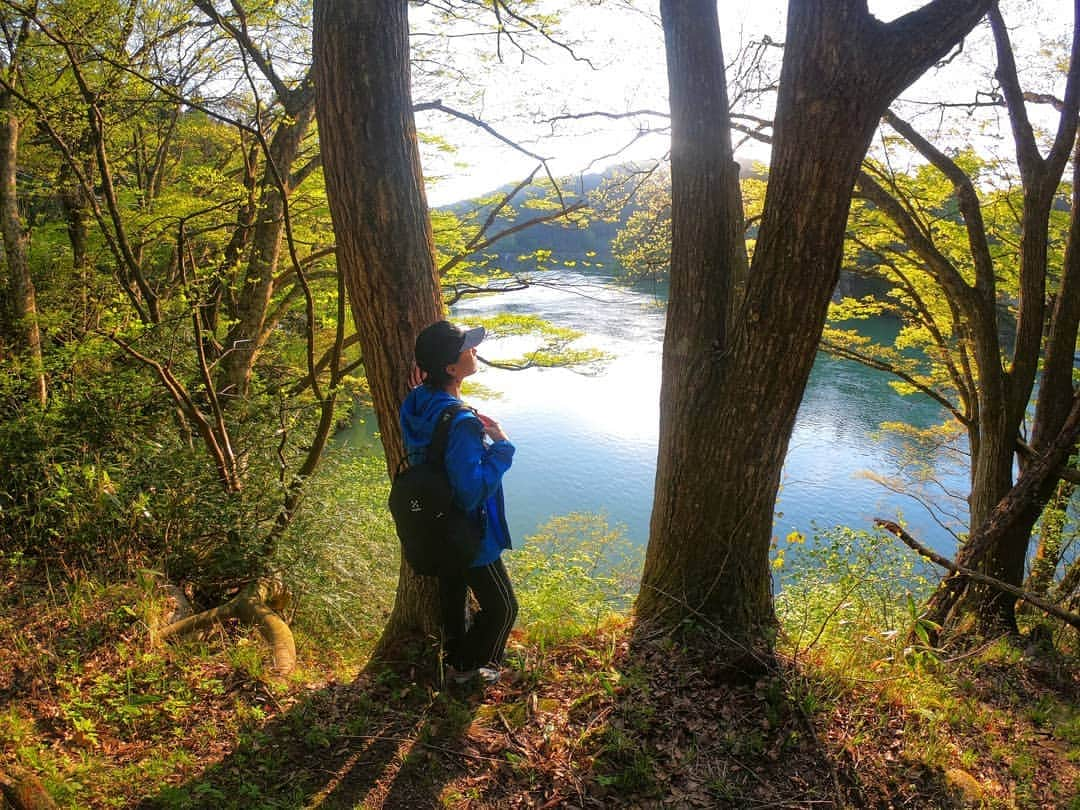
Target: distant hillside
x=567, y=241
x=591, y=246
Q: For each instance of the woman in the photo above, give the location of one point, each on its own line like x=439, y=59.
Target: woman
x=477, y=455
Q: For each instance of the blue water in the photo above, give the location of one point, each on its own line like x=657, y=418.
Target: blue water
x=587, y=441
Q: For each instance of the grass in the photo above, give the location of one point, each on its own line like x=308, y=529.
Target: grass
x=851, y=712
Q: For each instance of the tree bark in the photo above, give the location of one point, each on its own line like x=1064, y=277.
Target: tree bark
x=731, y=392
x=23, y=295
x=377, y=201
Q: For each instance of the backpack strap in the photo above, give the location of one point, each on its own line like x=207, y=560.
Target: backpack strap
x=436, y=451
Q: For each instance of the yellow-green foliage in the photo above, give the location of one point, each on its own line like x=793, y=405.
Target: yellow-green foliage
x=848, y=592
x=643, y=244
x=553, y=344
x=571, y=574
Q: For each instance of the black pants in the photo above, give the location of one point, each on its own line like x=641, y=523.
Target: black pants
x=485, y=639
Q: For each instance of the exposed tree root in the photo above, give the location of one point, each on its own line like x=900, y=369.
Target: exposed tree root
x=258, y=604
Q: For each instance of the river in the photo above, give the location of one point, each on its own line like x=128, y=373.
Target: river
x=587, y=441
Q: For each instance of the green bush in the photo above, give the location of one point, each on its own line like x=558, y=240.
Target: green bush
x=572, y=573
x=854, y=593
x=106, y=478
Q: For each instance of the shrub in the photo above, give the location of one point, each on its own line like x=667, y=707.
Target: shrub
x=572, y=573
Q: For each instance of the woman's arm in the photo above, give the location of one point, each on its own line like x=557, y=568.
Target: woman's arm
x=475, y=471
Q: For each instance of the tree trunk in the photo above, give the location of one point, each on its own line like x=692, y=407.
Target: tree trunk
x=73, y=203
x=379, y=209
x=23, y=296
x=961, y=604
x=708, y=264
x=730, y=393
x=248, y=334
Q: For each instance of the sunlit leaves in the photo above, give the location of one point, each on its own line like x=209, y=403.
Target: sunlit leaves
x=549, y=346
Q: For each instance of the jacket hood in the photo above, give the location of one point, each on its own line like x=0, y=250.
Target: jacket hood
x=419, y=413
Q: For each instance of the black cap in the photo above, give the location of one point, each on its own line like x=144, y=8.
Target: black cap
x=440, y=344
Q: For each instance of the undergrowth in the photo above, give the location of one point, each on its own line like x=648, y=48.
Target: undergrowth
x=857, y=709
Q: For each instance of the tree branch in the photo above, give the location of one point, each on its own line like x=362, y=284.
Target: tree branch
x=1026, y=490
x=243, y=39
x=324, y=361
x=939, y=265
x=970, y=207
x=204, y=369
x=928, y=319
x=1027, y=151
x=1053, y=610
x=497, y=4
x=461, y=290
x=921, y=37
x=187, y=405
x=301, y=174
x=476, y=122
x=1066, y=473
x=603, y=114
x=880, y=365
x=474, y=248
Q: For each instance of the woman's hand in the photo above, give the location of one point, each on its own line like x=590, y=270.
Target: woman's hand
x=492, y=429
x=416, y=376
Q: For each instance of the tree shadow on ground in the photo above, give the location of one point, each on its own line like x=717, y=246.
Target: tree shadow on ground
x=388, y=739
x=611, y=718
x=704, y=725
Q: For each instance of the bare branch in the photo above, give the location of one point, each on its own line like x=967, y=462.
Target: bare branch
x=602, y=114
x=530, y=24
x=1045, y=98
x=641, y=133
x=476, y=122
x=243, y=39
x=970, y=206
x=438, y=105
x=462, y=290
x=1027, y=152
x=1057, y=612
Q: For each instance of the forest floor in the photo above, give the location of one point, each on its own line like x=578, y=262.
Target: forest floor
x=102, y=716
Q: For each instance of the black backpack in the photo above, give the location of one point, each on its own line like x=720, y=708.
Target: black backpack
x=437, y=537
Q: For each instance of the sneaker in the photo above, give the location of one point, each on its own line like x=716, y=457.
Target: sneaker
x=489, y=674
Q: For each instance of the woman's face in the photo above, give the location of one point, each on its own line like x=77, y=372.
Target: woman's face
x=464, y=366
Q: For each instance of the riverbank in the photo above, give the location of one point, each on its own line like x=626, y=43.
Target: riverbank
x=103, y=716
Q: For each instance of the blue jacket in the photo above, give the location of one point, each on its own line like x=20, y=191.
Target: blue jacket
x=475, y=468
